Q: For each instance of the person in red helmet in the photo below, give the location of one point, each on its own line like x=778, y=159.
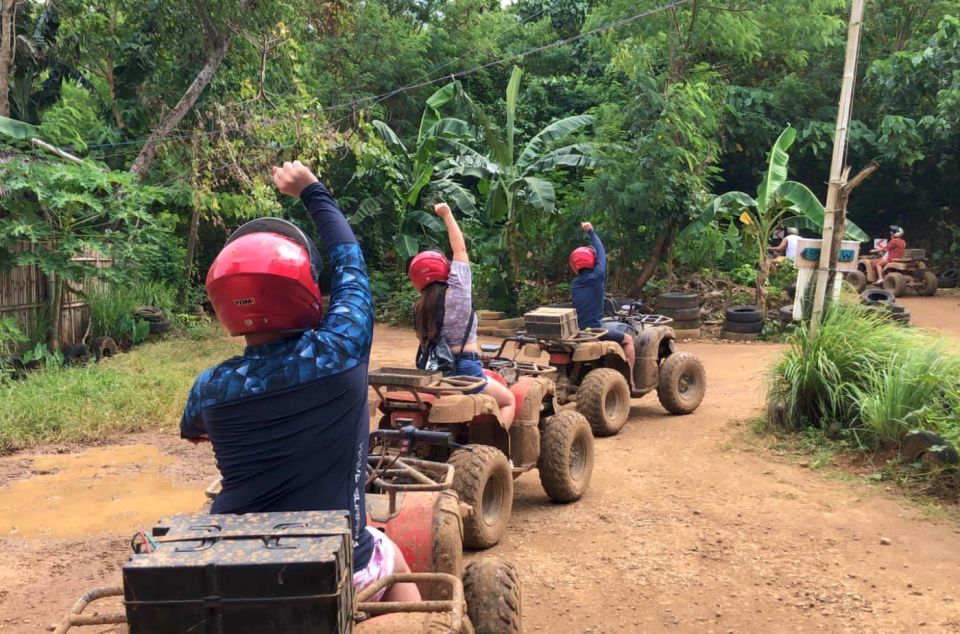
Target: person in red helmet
x=443, y=314
x=288, y=418
x=587, y=291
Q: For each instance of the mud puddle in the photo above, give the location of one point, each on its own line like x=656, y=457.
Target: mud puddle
x=99, y=490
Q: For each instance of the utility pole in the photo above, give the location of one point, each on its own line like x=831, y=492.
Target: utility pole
x=834, y=222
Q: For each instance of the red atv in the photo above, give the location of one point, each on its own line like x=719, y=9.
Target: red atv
x=486, y=455
x=411, y=500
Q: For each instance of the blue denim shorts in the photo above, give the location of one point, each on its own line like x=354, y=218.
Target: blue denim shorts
x=469, y=365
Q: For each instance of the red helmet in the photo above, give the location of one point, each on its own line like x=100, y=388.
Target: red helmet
x=265, y=279
x=583, y=258
x=428, y=267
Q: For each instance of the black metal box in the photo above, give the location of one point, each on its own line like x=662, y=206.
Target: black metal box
x=260, y=572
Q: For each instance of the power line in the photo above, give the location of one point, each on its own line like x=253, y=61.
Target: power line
x=422, y=84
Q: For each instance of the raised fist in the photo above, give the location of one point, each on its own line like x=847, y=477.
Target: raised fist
x=586, y=226
x=442, y=210
x=293, y=178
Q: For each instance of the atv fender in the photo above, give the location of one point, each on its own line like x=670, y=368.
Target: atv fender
x=462, y=408
x=428, y=530
x=650, y=349
x=529, y=393
x=594, y=350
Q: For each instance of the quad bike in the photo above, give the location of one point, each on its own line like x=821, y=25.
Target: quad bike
x=487, y=456
x=411, y=500
x=595, y=375
x=910, y=272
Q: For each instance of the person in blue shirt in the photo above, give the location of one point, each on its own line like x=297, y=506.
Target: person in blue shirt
x=587, y=290
x=288, y=419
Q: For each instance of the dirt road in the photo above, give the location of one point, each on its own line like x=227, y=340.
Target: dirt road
x=685, y=528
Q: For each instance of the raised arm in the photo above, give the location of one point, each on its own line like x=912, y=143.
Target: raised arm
x=601, y=266
x=348, y=323
x=457, y=243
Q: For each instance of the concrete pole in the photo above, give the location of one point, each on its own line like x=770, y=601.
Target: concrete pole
x=834, y=219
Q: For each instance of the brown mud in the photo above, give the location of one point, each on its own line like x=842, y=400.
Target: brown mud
x=685, y=528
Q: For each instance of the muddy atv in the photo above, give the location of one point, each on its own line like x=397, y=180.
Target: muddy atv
x=413, y=502
x=594, y=374
x=912, y=272
x=485, y=455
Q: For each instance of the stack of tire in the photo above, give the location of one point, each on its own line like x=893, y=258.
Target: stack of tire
x=158, y=321
x=742, y=323
x=684, y=309
x=882, y=302
x=948, y=279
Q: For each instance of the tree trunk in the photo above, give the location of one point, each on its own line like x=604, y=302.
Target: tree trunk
x=192, y=241
x=54, y=301
x=6, y=54
x=218, y=46
x=841, y=228
x=662, y=243
x=172, y=118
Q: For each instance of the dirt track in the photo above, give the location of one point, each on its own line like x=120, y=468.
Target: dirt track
x=685, y=528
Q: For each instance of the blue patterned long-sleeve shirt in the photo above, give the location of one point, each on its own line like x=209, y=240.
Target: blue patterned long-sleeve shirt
x=288, y=419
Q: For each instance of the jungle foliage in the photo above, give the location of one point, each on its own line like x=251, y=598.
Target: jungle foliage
x=177, y=109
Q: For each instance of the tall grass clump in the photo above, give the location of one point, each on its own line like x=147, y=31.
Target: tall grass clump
x=862, y=373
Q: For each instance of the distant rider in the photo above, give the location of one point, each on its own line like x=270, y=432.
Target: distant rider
x=288, y=418
x=788, y=246
x=587, y=290
x=444, y=311
x=895, y=249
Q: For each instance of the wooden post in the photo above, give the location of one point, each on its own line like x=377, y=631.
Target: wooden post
x=835, y=221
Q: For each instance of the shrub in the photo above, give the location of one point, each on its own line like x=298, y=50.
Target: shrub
x=874, y=378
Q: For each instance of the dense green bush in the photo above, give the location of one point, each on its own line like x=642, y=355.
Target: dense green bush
x=864, y=374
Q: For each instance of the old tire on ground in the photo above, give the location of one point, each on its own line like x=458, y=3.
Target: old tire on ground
x=566, y=456
x=159, y=327
x=604, y=398
x=677, y=299
x=104, y=347
x=76, y=354
x=895, y=283
x=743, y=314
x=876, y=296
x=683, y=382
x=691, y=333
x=483, y=480
x=739, y=336
x=948, y=279
x=929, y=285
x=685, y=325
x=682, y=314
x=491, y=588
x=857, y=280
x=736, y=326
x=786, y=312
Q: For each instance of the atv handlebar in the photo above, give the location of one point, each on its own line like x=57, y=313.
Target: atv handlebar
x=414, y=435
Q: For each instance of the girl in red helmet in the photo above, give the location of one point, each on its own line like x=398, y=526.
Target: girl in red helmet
x=288, y=418
x=587, y=290
x=450, y=285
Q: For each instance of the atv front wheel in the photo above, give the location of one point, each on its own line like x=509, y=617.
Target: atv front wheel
x=895, y=283
x=604, y=398
x=566, y=456
x=683, y=383
x=929, y=285
x=491, y=589
x=483, y=480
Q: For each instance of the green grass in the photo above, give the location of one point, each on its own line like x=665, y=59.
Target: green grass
x=144, y=389
x=871, y=379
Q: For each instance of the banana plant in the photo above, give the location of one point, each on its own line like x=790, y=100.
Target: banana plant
x=512, y=174
x=777, y=200
x=417, y=175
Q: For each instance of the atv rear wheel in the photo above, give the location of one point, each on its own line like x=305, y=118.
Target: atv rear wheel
x=929, y=285
x=604, y=398
x=683, y=383
x=483, y=480
x=856, y=279
x=566, y=456
x=491, y=589
x=895, y=283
